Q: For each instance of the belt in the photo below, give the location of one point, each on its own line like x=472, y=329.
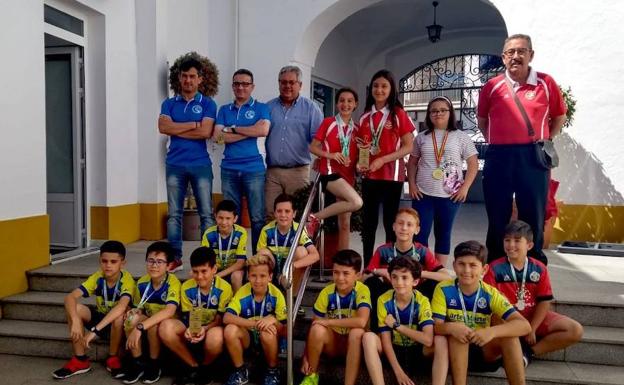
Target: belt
x=288, y=167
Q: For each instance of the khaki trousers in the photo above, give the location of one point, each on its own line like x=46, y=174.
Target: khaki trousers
x=283, y=180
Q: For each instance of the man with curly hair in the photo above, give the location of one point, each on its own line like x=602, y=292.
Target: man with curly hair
x=188, y=119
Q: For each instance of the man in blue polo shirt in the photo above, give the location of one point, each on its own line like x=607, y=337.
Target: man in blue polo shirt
x=188, y=119
x=239, y=125
x=294, y=122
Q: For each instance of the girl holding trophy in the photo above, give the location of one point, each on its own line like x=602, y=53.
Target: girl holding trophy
x=385, y=137
x=334, y=144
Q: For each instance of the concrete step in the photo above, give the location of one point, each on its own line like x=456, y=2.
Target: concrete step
x=42, y=339
x=592, y=313
x=38, y=306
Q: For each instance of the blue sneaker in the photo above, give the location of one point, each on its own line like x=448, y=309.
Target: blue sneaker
x=271, y=377
x=239, y=377
x=283, y=347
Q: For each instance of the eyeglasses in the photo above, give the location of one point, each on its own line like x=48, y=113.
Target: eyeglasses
x=520, y=51
x=241, y=84
x=438, y=112
x=288, y=82
x=156, y=262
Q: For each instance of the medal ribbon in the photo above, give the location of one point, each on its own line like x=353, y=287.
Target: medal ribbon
x=398, y=318
x=377, y=133
x=413, y=251
x=344, y=137
x=105, y=292
x=209, y=295
x=520, y=296
x=145, y=297
x=351, y=296
x=222, y=258
x=438, y=152
x=253, y=304
x=474, y=307
x=277, y=247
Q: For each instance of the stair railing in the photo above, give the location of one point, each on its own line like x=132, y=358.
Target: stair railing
x=293, y=306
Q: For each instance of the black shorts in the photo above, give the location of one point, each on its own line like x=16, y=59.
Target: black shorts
x=477, y=363
x=412, y=359
x=96, y=317
x=325, y=179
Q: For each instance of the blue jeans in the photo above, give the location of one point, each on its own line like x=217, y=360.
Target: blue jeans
x=178, y=178
x=439, y=213
x=235, y=185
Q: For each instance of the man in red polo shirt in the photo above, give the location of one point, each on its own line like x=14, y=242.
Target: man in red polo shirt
x=511, y=164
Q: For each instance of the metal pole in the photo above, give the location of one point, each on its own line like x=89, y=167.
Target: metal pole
x=289, y=335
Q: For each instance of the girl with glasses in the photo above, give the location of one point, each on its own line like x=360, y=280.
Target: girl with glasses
x=435, y=174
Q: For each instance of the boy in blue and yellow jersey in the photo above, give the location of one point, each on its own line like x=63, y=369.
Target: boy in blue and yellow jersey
x=525, y=282
x=156, y=298
x=278, y=236
x=229, y=242
x=205, y=297
x=113, y=288
x=257, y=314
x=463, y=309
x=406, y=328
x=341, y=314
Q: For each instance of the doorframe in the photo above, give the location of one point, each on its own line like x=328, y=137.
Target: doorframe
x=78, y=144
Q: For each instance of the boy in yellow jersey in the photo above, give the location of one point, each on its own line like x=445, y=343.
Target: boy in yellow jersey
x=405, y=329
x=278, y=236
x=156, y=298
x=257, y=314
x=204, y=299
x=229, y=242
x=113, y=288
x=341, y=314
x=462, y=310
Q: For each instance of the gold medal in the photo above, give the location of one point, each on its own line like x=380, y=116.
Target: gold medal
x=195, y=321
x=520, y=304
x=364, y=157
x=437, y=173
x=220, y=138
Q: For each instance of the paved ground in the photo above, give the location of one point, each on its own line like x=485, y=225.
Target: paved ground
x=575, y=278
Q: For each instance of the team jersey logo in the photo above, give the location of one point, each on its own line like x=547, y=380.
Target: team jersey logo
x=453, y=302
x=506, y=278
x=269, y=307
x=213, y=300
x=481, y=303
x=388, y=125
x=250, y=114
x=235, y=241
x=197, y=109
x=248, y=312
x=534, y=276
x=163, y=296
x=530, y=95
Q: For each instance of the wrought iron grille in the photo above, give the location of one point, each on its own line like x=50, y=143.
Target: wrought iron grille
x=459, y=78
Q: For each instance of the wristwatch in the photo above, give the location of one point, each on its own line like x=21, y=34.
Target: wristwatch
x=140, y=327
x=95, y=331
x=396, y=325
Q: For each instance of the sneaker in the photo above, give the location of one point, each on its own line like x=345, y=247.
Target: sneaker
x=113, y=365
x=204, y=376
x=527, y=354
x=239, y=377
x=188, y=375
x=271, y=377
x=151, y=375
x=176, y=265
x=71, y=368
x=312, y=226
x=133, y=373
x=283, y=347
x=311, y=379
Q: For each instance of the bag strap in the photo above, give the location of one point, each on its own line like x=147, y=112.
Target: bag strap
x=521, y=108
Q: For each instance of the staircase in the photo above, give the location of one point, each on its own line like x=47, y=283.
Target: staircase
x=33, y=324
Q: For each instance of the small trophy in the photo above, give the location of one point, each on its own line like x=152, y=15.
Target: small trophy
x=129, y=322
x=220, y=138
x=363, y=157
x=195, y=321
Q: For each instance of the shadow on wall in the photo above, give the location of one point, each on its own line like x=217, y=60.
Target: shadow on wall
x=583, y=179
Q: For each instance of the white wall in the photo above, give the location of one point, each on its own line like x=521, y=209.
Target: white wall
x=577, y=43
x=22, y=106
